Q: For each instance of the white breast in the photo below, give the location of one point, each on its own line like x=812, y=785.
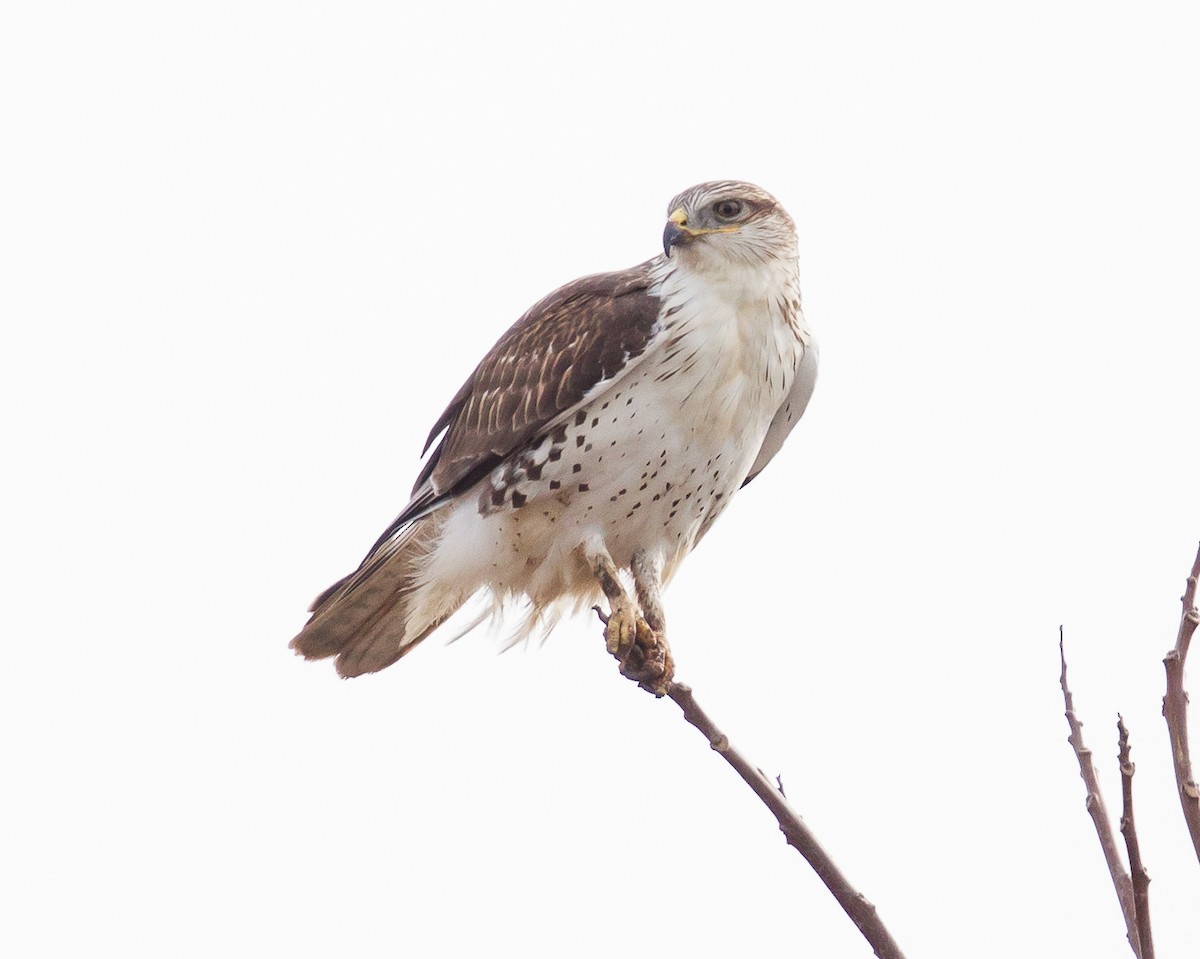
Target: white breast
x=651, y=461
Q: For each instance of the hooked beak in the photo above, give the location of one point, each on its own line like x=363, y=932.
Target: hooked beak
x=676, y=231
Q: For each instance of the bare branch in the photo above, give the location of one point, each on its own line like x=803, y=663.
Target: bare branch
x=857, y=907
x=648, y=644
x=1095, y=808
x=1141, y=880
x=1175, y=705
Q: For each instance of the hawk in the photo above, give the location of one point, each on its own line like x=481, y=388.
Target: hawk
x=604, y=432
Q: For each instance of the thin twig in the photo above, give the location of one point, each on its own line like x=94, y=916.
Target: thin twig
x=1175, y=705
x=857, y=907
x=1095, y=808
x=1141, y=879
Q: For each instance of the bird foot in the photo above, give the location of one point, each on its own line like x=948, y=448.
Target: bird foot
x=642, y=653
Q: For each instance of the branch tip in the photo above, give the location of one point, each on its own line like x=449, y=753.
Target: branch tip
x=1140, y=879
x=1094, y=804
x=1175, y=707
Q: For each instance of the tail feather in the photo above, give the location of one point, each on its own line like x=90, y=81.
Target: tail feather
x=365, y=619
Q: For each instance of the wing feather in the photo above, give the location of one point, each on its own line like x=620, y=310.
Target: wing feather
x=579, y=336
x=792, y=409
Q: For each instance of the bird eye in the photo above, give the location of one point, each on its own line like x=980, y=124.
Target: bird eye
x=728, y=209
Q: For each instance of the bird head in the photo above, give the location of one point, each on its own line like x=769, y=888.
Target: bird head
x=728, y=220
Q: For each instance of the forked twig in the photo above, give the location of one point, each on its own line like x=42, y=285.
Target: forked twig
x=1140, y=878
x=1175, y=705
x=1096, y=809
x=857, y=907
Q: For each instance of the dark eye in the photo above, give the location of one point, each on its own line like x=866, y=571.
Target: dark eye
x=728, y=209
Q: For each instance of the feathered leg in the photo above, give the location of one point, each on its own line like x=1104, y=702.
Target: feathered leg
x=639, y=648
x=647, y=579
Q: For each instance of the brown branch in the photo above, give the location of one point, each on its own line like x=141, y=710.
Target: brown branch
x=647, y=645
x=1141, y=880
x=857, y=907
x=1095, y=807
x=1175, y=705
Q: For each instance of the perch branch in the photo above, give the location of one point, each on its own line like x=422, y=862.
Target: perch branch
x=1175, y=705
x=1140, y=878
x=857, y=907
x=1095, y=808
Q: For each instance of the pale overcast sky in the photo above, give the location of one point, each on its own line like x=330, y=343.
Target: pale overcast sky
x=249, y=250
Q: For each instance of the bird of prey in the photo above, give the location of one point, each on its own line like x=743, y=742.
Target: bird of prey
x=603, y=434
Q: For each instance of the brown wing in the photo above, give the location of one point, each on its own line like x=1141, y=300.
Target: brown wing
x=576, y=338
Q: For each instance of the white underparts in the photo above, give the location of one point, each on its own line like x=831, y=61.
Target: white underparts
x=647, y=463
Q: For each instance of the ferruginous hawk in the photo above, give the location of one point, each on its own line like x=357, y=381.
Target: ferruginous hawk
x=605, y=431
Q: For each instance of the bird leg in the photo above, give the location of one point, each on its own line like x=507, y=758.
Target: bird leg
x=647, y=579
x=624, y=621
x=629, y=636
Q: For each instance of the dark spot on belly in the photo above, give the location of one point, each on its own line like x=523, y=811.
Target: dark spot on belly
x=519, y=500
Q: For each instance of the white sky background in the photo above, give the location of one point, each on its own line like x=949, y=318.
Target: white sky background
x=248, y=251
